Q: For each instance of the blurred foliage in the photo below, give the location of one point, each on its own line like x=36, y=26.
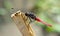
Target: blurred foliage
x=47, y=10
x=5, y=11
x=2, y=11
x=8, y=5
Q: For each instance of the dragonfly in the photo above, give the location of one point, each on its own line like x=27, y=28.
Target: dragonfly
x=32, y=16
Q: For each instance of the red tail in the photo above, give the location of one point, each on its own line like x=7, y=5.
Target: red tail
x=39, y=20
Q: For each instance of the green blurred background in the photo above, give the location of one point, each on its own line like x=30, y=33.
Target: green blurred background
x=47, y=10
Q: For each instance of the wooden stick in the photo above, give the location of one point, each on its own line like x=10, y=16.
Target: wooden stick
x=22, y=23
